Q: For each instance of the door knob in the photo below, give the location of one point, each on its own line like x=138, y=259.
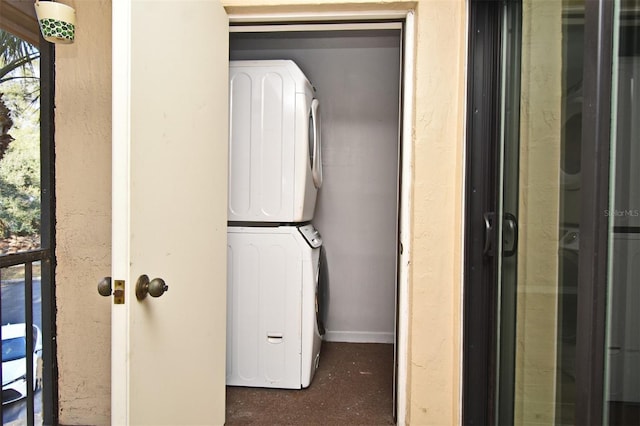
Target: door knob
x=155, y=288
x=104, y=287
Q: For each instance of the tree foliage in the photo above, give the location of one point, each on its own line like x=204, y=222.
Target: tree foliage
x=19, y=74
x=20, y=162
x=20, y=187
x=16, y=54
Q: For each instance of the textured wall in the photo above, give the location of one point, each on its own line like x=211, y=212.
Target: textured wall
x=83, y=191
x=83, y=216
x=436, y=254
x=540, y=134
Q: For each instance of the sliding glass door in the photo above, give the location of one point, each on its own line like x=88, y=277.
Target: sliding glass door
x=553, y=213
x=549, y=197
x=539, y=197
x=622, y=347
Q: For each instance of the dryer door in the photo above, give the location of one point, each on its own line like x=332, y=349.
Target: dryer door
x=315, y=143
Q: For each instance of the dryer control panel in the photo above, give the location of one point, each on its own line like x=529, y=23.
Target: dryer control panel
x=311, y=234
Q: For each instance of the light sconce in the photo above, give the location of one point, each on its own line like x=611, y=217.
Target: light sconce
x=57, y=21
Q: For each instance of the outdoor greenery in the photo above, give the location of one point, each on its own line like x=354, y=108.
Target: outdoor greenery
x=20, y=186
x=20, y=137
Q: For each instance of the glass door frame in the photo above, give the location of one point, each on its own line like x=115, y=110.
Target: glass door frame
x=48, y=202
x=481, y=198
x=592, y=267
x=481, y=272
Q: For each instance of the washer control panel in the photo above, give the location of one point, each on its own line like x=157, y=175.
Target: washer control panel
x=311, y=234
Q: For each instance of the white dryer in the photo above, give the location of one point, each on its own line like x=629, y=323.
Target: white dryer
x=273, y=324
x=275, y=164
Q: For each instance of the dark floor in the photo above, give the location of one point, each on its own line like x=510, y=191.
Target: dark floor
x=352, y=386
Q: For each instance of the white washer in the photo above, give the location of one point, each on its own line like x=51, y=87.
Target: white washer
x=624, y=322
x=273, y=328
x=275, y=164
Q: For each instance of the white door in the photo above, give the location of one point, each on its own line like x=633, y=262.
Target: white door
x=170, y=66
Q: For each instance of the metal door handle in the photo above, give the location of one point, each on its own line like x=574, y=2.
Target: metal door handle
x=155, y=288
x=488, y=233
x=511, y=224
x=509, y=234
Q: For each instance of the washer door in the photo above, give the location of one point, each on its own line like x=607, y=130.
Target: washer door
x=322, y=292
x=315, y=143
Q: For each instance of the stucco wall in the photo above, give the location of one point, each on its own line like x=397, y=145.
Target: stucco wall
x=435, y=283
x=540, y=124
x=83, y=216
x=83, y=194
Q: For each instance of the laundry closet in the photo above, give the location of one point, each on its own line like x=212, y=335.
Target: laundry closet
x=355, y=69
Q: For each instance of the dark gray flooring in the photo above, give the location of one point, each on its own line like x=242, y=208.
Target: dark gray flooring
x=352, y=386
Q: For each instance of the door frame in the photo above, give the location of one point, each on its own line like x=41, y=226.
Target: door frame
x=594, y=224
x=48, y=185
x=247, y=16
x=481, y=156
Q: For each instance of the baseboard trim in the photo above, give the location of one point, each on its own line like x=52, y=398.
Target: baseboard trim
x=359, y=337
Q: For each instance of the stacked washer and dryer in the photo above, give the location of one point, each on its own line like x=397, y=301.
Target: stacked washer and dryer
x=274, y=252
